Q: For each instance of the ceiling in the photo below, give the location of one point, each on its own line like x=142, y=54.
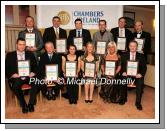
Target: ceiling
x=145, y=6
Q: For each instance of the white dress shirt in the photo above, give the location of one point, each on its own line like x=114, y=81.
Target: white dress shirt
x=132, y=56
x=56, y=29
x=121, y=32
x=20, y=55
x=30, y=30
x=139, y=34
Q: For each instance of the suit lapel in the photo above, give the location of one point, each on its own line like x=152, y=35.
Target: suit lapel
x=53, y=32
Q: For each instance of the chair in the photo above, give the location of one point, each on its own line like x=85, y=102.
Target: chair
x=23, y=88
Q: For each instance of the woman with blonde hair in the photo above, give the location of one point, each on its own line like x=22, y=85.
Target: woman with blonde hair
x=110, y=92
x=89, y=56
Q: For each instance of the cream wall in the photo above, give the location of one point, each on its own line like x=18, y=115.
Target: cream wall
x=144, y=14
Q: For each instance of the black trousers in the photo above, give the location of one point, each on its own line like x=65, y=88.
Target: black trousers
x=72, y=90
x=16, y=84
x=139, y=82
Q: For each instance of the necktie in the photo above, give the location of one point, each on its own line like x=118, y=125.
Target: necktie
x=50, y=57
x=57, y=34
x=121, y=33
x=79, y=34
x=133, y=57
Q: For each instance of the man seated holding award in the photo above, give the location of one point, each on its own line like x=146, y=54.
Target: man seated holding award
x=49, y=69
x=122, y=36
x=133, y=65
x=143, y=38
x=79, y=37
x=32, y=36
x=20, y=67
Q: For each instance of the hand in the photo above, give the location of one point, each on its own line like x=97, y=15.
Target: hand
x=124, y=74
x=31, y=74
x=15, y=75
x=138, y=76
x=83, y=48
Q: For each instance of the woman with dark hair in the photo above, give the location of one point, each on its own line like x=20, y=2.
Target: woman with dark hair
x=72, y=88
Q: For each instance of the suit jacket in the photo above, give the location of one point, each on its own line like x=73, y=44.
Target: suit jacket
x=44, y=60
x=142, y=67
x=11, y=64
x=147, y=44
x=49, y=35
x=85, y=34
x=38, y=37
x=128, y=35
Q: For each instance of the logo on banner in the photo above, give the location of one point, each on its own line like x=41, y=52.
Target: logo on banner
x=64, y=17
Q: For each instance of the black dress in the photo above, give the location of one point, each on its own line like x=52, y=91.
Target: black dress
x=72, y=88
x=110, y=92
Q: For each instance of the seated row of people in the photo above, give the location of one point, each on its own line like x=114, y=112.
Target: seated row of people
x=88, y=67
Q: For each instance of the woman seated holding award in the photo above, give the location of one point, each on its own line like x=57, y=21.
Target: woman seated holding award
x=89, y=64
x=20, y=67
x=49, y=72
x=111, y=66
x=71, y=68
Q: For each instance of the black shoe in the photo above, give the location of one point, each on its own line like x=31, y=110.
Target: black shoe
x=70, y=101
x=122, y=102
x=139, y=106
x=49, y=97
x=75, y=101
x=53, y=97
x=86, y=101
x=90, y=101
x=30, y=107
x=25, y=108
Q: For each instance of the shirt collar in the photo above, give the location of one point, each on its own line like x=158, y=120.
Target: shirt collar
x=18, y=52
x=56, y=28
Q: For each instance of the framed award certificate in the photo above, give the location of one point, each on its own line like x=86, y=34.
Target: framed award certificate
x=110, y=67
x=51, y=72
x=90, y=69
x=30, y=39
x=61, y=45
x=140, y=44
x=121, y=43
x=132, y=68
x=71, y=68
x=78, y=42
x=101, y=48
x=24, y=68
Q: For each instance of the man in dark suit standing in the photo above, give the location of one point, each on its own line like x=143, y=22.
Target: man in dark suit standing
x=139, y=78
x=54, y=32
x=121, y=31
x=16, y=81
x=139, y=33
x=29, y=23
x=47, y=58
x=79, y=32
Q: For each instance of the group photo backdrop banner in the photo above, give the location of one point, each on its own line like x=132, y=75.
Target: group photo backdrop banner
x=90, y=15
